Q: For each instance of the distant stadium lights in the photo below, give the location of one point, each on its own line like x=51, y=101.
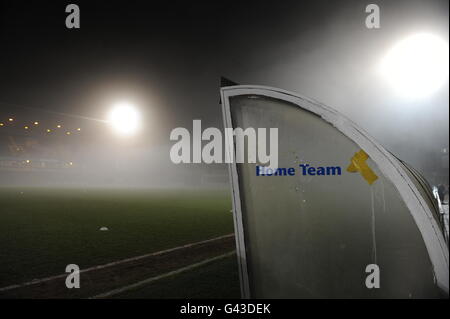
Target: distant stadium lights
x=48, y=130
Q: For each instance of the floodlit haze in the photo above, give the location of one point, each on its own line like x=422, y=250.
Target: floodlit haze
x=165, y=61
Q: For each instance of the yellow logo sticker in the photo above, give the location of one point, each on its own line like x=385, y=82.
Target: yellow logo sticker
x=358, y=164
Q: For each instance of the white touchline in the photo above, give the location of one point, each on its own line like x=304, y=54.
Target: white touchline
x=38, y=281
x=168, y=274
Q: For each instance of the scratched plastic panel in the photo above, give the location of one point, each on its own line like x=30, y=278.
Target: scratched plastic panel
x=313, y=236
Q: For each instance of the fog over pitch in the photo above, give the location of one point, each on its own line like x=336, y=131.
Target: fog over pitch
x=167, y=59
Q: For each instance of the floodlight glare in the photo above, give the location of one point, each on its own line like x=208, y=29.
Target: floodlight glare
x=124, y=118
x=417, y=66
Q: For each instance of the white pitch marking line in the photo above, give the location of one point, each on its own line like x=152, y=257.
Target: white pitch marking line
x=38, y=281
x=169, y=274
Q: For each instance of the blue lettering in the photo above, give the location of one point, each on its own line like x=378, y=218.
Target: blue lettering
x=303, y=167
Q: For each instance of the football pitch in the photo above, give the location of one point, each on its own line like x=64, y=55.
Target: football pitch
x=44, y=230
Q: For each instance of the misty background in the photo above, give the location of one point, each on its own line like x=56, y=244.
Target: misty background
x=167, y=59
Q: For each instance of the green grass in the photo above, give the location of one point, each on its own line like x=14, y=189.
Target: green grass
x=43, y=230
x=216, y=280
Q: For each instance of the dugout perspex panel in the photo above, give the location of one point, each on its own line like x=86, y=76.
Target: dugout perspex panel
x=311, y=236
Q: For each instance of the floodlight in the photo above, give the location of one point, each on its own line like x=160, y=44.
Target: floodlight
x=124, y=118
x=417, y=66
